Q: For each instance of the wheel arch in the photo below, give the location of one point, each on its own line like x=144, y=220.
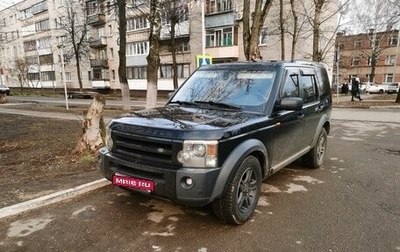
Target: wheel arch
x=323, y=123
x=250, y=147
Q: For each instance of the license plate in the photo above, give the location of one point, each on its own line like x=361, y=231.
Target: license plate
x=131, y=182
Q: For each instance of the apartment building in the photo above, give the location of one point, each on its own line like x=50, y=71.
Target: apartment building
x=355, y=56
x=31, y=30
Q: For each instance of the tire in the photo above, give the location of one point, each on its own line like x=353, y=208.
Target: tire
x=238, y=202
x=315, y=157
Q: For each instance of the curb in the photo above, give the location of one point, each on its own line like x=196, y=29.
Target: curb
x=52, y=198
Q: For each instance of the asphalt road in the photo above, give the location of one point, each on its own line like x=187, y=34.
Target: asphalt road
x=350, y=204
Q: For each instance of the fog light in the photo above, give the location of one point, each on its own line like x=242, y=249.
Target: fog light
x=189, y=181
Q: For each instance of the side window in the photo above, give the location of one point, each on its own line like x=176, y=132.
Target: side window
x=291, y=85
x=309, y=91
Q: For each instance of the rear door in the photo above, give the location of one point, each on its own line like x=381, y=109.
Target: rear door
x=312, y=107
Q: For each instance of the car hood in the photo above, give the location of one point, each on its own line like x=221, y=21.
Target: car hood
x=184, y=123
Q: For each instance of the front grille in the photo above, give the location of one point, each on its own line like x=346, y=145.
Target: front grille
x=145, y=150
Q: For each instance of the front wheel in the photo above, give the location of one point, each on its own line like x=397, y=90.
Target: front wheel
x=315, y=157
x=240, y=199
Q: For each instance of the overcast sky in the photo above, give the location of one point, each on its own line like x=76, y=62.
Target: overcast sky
x=7, y=3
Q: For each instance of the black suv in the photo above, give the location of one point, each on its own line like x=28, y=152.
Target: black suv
x=225, y=130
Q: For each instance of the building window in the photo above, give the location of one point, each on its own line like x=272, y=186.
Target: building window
x=44, y=43
x=48, y=76
x=355, y=61
x=39, y=7
x=390, y=60
x=138, y=48
x=136, y=72
x=100, y=74
x=137, y=23
x=24, y=14
x=388, y=77
x=217, y=6
x=33, y=76
x=393, y=40
x=166, y=71
x=30, y=45
x=357, y=44
x=68, y=76
x=46, y=59
x=219, y=37
x=113, y=74
x=43, y=25
x=263, y=37
x=376, y=43
x=341, y=45
x=32, y=60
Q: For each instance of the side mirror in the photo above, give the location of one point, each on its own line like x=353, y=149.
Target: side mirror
x=290, y=103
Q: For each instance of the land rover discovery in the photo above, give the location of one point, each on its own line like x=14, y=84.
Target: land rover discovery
x=224, y=131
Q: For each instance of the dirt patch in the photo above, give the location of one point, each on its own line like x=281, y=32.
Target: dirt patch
x=36, y=158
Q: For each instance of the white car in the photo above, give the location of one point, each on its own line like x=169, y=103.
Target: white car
x=393, y=88
x=377, y=89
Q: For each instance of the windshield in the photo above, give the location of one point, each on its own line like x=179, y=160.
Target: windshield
x=247, y=89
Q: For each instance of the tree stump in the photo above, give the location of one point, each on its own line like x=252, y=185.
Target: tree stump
x=3, y=99
x=93, y=127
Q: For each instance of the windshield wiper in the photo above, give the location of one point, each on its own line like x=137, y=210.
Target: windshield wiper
x=219, y=104
x=184, y=103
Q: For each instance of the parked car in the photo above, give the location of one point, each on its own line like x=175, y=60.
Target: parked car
x=227, y=128
x=4, y=89
x=377, y=89
x=393, y=88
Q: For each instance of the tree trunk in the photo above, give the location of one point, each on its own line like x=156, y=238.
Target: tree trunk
x=295, y=31
x=93, y=127
x=246, y=29
x=316, y=30
x=123, y=80
x=282, y=29
x=153, y=59
x=3, y=99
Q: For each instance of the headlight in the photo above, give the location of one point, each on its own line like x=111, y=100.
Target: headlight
x=199, y=154
x=109, y=141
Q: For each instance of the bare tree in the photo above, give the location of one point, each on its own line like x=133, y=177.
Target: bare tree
x=153, y=59
x=20, y=71
x=376, y=22
x=321, y=15
x=252, y=27
x=73, y=22
x=123, y=80
x=174, y=12
x=395, y=4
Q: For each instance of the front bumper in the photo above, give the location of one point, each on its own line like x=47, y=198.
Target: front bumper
x=169, y=182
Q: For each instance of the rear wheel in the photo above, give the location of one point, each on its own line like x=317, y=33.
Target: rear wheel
x=240, y=199
x=315, y=157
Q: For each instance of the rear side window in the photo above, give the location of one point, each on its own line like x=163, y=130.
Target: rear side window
x=308, y=88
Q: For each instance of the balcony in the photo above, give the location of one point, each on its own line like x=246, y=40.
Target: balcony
x=97, y=19
x=98, y=63
x=98, y=42
x=231, y=52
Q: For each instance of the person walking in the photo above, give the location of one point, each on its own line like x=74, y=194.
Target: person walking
x=355, y=90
